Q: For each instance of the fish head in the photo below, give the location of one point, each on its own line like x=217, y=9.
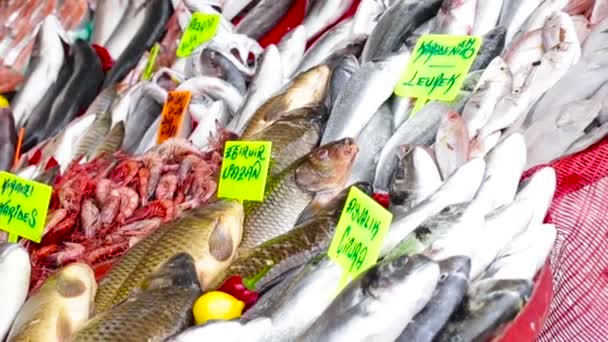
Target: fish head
x=178, y=271
x=315, y=80
x=13, y=255
x=327, y=167
x=385, y=278
x=455, y=265
x=497, y=35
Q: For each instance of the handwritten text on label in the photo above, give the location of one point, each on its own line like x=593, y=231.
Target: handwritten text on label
x=359, y=233
x=173, y=114
x=23, y=206
x=438, y=67
x=244, y=170
x=202, y=27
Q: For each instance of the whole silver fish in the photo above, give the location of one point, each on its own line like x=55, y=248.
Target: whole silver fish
x=212, y=63
x=449, y=293
x=126, y=29
x=263, y=17
x=93, y=136
x=396, y=25
x=419, y=130
x=487, y=14
x=8, y=139
x=514, y=14
x=362, y=95
x=112, y=141
x=379, y=303
x=216, y=116
x=492, y=46
x=108, y=15
x=216, y=88
x=371, y=140
x=322, y=14
x=146, y=112
x=14, y=282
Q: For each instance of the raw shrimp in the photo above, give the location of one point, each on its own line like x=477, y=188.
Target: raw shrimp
x=89, y=218
x=166, y=187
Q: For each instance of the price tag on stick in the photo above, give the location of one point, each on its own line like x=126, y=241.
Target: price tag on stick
x=244, y=170
x=202, y=28
x=438, y=67
x=23, y=207
x=359, y=235
x=173, y=114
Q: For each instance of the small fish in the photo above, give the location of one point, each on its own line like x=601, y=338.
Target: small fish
x=325, y=169
x=456, y=17
x=108, y=15
x=15, y=272
x=382, y=295
x=449, y=293
x=58, y=308
x=210, y=234
x=415, y=178
x=514, y=13
x=451, y=143
x=371, y=141
x=263, y=17
x=395, y=25
x=370, y=86
x=293, y=136
x=156, y=310
x=112, y=142
x=486, y=16
x=292, y=48
x=307, y=88
x=215, y=88
x=419, y=130
x=264, y=84
x=217, y=115
x=492, y=45
x=489, y=305
x=323, y=14
x=214, y=64
x=345, y=67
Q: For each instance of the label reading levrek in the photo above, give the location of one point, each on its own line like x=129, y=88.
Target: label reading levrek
x=23, y=206
x=244, y=170
x=438, y=67
x=360, y=233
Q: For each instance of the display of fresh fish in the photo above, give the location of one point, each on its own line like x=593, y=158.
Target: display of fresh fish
x=157, y=309
x=263, y=17
x=209, y=234
x=306, y=89
x=293, y=136
x=396, y=25
x=14, y=282
x=325, y=169
x=378, y=304
x=212, y=63
x=451, y=143
x=449, y=293
x=59, y=308
x=362, y=95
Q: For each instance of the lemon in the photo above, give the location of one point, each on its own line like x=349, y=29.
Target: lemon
x=216, y=305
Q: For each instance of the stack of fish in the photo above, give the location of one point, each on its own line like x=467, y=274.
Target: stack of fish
x=466, y=239
x=103, y=207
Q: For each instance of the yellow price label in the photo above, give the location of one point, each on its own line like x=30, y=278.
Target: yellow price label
x=3, y=102
x=151, y=63
x=202, y=28
x=361, y=229
x=438, y=66
x=244, y=170
x=173, y=114
x=23, y=206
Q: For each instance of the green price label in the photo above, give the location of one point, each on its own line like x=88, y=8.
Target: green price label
x=151, y=62
x=23, y=206
x=438, y=67
x=202, y=28
x=244, y=170
x=359, y=234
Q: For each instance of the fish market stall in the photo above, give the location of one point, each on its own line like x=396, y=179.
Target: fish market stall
x=299, y=170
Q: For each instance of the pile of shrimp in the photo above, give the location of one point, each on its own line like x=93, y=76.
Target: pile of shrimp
x=101, y=208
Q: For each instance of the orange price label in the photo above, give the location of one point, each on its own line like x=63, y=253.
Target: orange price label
x=173, y=114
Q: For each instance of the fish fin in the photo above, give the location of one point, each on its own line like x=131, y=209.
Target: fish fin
x=64, y=328
x=221, y=245
x=69, y=288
